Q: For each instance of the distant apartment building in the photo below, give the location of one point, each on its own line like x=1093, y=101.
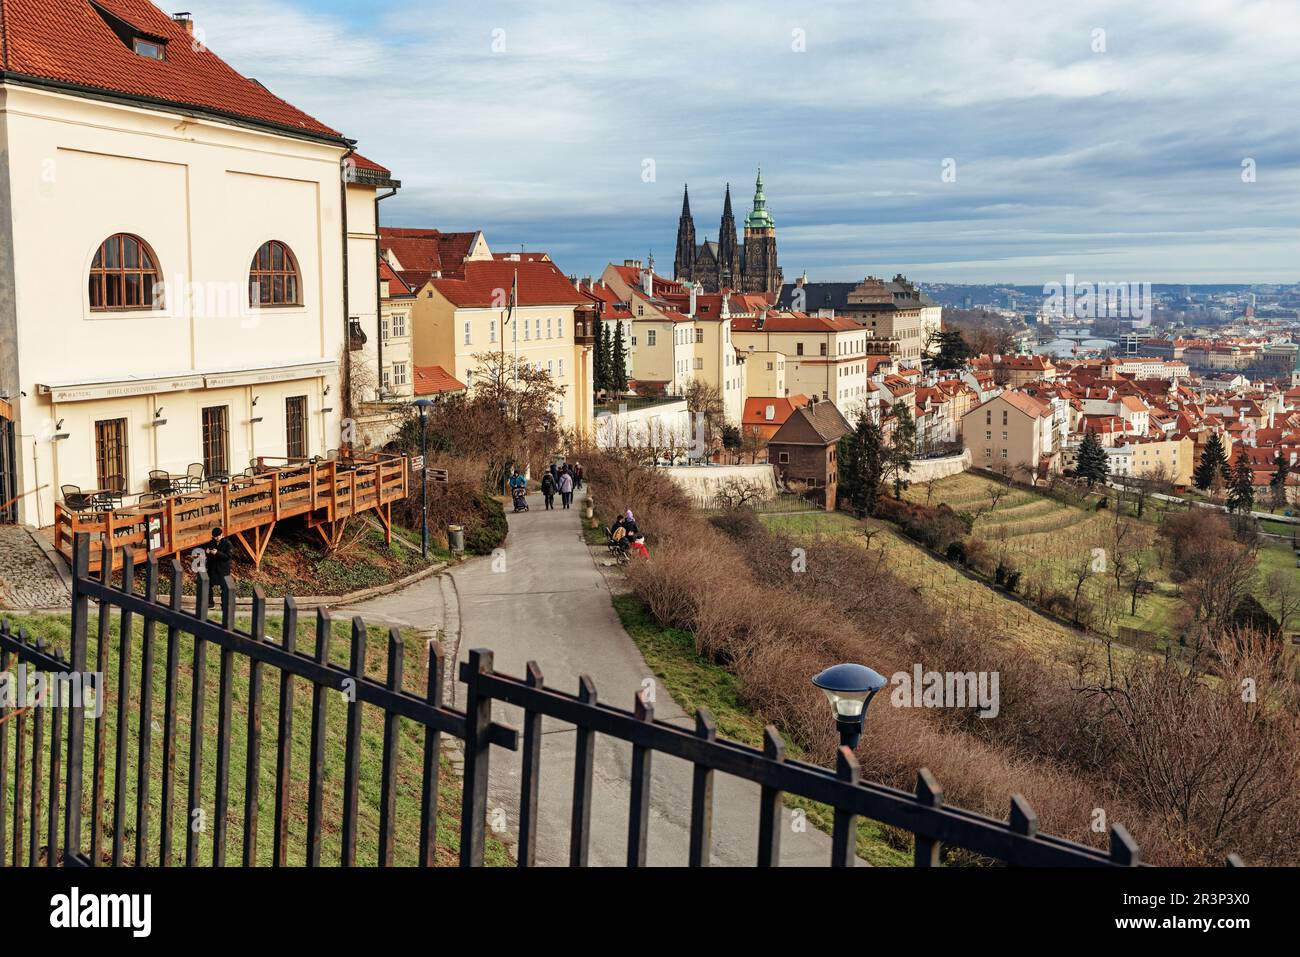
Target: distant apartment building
x=894, y=310
x=1012, y=431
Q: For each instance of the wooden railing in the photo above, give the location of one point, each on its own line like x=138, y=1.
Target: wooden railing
x=246, y=508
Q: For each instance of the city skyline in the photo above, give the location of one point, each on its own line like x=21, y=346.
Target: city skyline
x=978, y=145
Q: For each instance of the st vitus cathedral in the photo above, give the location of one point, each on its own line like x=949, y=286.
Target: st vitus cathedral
x=726, y=264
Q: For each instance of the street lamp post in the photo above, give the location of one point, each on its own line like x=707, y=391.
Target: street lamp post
x=423, y=406
x=849, y=688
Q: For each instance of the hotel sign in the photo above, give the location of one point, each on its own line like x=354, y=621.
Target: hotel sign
x=116, y=390
x=312, y=370
x=126, y=388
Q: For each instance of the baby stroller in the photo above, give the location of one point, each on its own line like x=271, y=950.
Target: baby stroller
x=521, y=502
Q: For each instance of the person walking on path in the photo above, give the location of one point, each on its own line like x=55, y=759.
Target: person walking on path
x=548, y=491
x=566, y=489
x=217, y=554
x=577, y=475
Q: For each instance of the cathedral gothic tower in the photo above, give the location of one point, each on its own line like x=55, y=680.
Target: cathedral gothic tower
x=684, y=261
x=728, y=253
x=726, y=264
x=760, y=270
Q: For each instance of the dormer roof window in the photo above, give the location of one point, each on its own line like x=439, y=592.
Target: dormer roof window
x=143, y=44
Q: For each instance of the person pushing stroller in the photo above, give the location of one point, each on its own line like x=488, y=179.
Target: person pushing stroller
x=519, y=491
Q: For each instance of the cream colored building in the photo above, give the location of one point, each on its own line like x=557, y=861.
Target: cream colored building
x=824, y=357
x=1012, y=432
x=172, y=259
x=456, y=319
x=675, y=342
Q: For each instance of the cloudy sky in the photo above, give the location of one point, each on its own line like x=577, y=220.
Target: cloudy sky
x=1101, y=139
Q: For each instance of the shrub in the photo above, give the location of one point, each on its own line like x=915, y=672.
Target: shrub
x=956, y=552
x=486, y=528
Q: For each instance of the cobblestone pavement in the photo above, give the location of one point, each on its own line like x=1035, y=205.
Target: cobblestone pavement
x=27, y=578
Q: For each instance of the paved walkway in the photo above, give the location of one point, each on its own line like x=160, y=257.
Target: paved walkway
x=28, y=577
x=544, y=598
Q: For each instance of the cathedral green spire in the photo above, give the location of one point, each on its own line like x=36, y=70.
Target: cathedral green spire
x=760, y=218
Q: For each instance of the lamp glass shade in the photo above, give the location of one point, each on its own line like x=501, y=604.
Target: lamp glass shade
x=849, y=687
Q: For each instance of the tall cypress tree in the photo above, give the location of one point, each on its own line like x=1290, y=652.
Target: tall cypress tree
x=1092, y=463
x=1213, y=462
x=599, y=372
x=1280, y=477
x=618, y=361
x=1241, y=492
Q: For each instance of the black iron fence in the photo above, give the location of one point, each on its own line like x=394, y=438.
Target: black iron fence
x=55, y=777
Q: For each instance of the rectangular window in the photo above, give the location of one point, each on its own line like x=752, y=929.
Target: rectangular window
x=823, y=350
x=650, y=337
x=295, y=426
x=492, y=330
x=110, y=454
x=1004, y=436
x=387, y=379
x=537, y=328
x=561, y=368
x=699, y=362
x=548, y=327
x=988, y=416
x=527, y=331
x=798, y=348
x=550, y=367
x=699, y=335
x=216, y=440
x=1004, y=453
x=559, y=327
x=1004, y=417
x=399, y=373
x=399, y=325
x=467, y=333
x=988, y=436
x=988, y=453
x=383, y=328
x=783, y=458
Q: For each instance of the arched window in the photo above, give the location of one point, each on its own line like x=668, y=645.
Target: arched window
x=273, y=278
x=124, y=275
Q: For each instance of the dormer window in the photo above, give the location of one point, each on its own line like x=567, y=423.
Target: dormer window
x=143, y=44
x=154, y=51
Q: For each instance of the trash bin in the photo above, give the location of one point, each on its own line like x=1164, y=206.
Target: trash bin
x=456, y=538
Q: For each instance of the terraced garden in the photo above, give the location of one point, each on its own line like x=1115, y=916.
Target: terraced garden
x=1048, y=540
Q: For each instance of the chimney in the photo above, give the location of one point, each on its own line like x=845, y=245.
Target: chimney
x=185, y=20
x=648, y=282
x=695, y=287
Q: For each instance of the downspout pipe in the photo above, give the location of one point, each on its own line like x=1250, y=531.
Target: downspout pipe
x=345, y=174
x=379, y=309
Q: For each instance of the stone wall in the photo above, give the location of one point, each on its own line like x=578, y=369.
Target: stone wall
x=926, y=470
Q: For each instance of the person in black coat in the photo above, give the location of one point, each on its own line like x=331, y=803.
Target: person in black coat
x=219, y=554
x=548, y=490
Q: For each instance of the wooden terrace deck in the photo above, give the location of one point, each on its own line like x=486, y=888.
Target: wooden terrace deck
x=326, y=493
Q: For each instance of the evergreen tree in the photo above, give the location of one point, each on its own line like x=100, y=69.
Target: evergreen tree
x=1092, y=463
x=618, y=362
x=898, y=461
x=861, y=463
x=1241, y=490
x=1280, y=477
x=1213, y=462
x=953, y=352
x=599, y=371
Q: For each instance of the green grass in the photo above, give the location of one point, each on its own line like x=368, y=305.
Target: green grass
x=695, y=682
x=56, y=629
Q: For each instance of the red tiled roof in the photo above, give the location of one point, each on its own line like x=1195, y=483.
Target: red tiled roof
x=610, y=306
x=70, y=42
x=397, y=286
x=792, y=322
x=426, y=252
x=364, y=163
x=484, y=281
x=782, y=407
x=435, y=380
